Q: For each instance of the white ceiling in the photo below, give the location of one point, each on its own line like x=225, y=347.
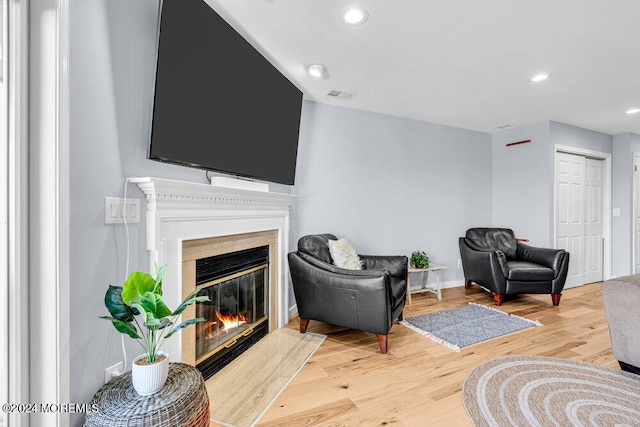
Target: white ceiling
x=463, y=63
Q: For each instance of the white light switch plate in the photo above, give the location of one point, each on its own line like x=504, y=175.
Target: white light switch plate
x=116, y=210
x=616, y=212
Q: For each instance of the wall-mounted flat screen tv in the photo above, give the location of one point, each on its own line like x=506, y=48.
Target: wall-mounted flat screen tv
x=219, y=104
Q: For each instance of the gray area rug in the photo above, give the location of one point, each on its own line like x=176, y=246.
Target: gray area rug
x=547, y=391
x=463, y=326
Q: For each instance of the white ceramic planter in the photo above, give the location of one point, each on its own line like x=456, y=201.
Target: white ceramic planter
x=148, y=379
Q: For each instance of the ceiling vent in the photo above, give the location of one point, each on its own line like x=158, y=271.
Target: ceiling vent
x=505, y=127
x=341, y=94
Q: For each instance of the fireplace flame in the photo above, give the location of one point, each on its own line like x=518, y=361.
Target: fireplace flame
x=229, y=321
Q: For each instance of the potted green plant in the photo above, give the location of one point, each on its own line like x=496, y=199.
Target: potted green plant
x=419, y=259
x=138, y=310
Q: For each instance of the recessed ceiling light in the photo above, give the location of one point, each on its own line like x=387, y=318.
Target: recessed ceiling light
x=540, y=77
x=317, y=70
x=354, y=16
x=633, y=111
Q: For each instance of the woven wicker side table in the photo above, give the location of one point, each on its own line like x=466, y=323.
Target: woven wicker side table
x=182, y=401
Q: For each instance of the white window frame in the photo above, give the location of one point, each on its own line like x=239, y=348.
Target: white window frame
x=15, y=77
x=49, y=224
x=4, y=218
x=36, y=205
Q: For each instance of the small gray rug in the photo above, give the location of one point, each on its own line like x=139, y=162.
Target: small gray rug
x=463, y=326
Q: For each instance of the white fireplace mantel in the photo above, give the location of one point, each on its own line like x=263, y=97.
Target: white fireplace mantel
x=178, y=211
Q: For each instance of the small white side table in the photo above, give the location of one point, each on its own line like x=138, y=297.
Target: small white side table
x=423, y=288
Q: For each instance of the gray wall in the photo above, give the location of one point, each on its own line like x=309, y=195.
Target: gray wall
x=563, y=134
x=624, y=146
x=112, y=68
x=522, y=175
x=391, y=185
x=111, y=73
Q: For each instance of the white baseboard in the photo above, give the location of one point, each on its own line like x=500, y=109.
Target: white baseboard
x=293, y=311
x=452, y=284
x=443, y=285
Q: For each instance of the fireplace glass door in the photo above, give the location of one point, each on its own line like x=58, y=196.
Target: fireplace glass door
x=238, y=306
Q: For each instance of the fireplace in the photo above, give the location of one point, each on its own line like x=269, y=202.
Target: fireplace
x=186, y=221
x=236, y=316
x=237, y=273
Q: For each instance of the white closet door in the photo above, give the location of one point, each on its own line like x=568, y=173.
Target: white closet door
x=593, y=224
x=570, y=208
x=579, y=216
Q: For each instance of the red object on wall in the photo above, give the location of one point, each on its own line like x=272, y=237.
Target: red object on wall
x=519, y=142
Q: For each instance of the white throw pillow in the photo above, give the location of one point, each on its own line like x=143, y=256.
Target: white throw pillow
x=344, y=256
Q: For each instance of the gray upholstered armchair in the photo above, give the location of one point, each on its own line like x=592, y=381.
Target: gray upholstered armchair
x=494, y=259
x=370, y=299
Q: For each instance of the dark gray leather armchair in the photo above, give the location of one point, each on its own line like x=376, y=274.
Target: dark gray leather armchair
x=369, y=300
x=494, y=259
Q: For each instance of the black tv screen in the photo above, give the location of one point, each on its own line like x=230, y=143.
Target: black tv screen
x=219, y=104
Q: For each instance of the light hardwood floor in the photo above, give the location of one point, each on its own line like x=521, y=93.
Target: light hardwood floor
x=348, y=382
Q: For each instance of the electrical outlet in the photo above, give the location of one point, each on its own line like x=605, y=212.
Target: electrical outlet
x=113, y=371
x=459, y=263
x=116, y=210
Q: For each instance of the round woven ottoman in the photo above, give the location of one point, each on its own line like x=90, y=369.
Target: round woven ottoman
x=182, y=401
